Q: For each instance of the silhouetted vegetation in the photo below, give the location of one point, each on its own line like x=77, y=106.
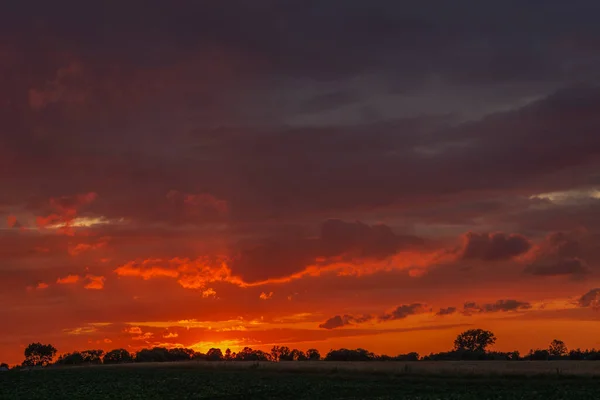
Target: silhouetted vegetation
x=474, y=340
x=470, y=345
x=117, y=356
x=37, y=354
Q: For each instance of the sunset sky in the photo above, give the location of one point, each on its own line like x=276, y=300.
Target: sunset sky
x=306, y=173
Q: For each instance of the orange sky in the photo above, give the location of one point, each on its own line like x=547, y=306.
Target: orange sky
x=211, y=175
x=100, y=296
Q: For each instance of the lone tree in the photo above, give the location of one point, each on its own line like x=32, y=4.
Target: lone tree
x=557, y=348
x=37, y=354
x=474, y=340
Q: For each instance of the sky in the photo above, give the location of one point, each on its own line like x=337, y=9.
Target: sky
x=317, y=174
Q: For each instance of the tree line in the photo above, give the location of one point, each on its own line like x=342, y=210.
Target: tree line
x=472, y=344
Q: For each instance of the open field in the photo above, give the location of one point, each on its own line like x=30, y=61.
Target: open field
x=309, y=380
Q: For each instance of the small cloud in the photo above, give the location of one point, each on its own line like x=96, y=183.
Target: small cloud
x=95, y=282
x=133, y=330
x=265, y=296
x=403, y=311
x=145, y=336
x=342, y=320
x=107, y=340
x=210, y=292
x=333, y=322
x=170, y=335
x=80, y=330
x=446, y=311
x=69, y=279
x=42, y=285
x=499, y=306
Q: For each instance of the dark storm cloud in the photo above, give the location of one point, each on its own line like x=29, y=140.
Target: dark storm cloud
x=361, y=240
x=284, y=255
x=564, y=254
x=486, y=43
x=494, y=247
x=570, y=266
x=87, y=110
x=570, y=216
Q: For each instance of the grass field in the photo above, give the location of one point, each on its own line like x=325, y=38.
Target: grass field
x=310, y=380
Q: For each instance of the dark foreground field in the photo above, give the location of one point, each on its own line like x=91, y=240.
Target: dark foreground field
x=196, y=381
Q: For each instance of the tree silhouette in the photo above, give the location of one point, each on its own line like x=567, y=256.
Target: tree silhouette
x=538, y=354
x=117, y=356
x=476, y=340
x=313, y=354
x=92, y=356
x=228, y=354
x=37, y=354
x=349, y=355
x=281, y=353
x=214, y=355
x=74, y=358
x=557, y=348
x=298, y=355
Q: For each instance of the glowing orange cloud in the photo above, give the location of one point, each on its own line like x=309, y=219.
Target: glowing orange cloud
x=197, y=273
x=145, y=270
x=95, y=282
x=210, y=292
x=69, y=279
x=265, y=296
x=190, y=274
x=134, y=330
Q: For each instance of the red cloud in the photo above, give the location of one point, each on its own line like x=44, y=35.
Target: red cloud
x=198, y=204
x=83, y=247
